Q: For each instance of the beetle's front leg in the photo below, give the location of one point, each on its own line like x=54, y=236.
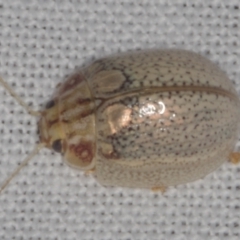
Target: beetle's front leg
x=161, y=189
x=89, y=172
x=234, y=157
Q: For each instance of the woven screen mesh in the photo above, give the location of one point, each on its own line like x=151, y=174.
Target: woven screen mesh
x=41, y=42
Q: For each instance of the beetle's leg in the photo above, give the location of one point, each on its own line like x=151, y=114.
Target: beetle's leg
x=90, y=171
x=235, y=157
x=161, y=189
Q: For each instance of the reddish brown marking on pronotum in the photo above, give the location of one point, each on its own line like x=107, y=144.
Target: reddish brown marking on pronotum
x=71, y=83
x=84, y=151
x=82, y=101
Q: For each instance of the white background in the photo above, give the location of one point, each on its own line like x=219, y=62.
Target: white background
x=41, y=42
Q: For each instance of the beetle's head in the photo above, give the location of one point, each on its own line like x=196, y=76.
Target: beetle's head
x=62, y=129
x=51, y=129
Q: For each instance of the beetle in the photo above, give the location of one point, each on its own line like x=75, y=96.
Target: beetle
x=145, y=119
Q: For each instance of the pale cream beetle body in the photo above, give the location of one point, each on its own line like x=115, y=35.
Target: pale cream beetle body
x=144, y=119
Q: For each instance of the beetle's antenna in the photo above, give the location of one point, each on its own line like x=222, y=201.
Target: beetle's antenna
x=23, y=164
x=18, y=99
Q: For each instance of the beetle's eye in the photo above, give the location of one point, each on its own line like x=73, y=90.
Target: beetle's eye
x=50, y=104
x=57, y=145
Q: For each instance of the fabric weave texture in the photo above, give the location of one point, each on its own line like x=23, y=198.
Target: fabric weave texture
x=42, y=42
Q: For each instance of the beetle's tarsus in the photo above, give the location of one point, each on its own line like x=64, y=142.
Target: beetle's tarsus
x=89, y=172
x=161, y=189
x=235, y=157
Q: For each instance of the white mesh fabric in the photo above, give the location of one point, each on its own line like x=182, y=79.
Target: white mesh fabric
x=43, y=41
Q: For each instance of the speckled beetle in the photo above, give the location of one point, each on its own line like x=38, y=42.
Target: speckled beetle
x=147, y=119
